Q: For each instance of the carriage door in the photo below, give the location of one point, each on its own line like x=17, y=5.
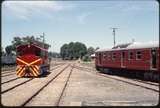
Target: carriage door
x=153, y=59
x=122, y=59
x=100, y=58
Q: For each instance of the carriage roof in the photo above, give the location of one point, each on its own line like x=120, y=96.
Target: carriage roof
x=22, y=47
x=134, y=45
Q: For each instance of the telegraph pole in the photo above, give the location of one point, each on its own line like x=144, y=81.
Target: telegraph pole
x=114, y=30
x=42, y=36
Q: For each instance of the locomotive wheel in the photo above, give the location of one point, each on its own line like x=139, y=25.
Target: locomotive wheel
x=97, y=68
x=156, y=77
x=41, y=71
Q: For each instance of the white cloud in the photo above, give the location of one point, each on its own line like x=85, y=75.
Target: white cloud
x=131, y=6
x=28, y=9
x=81, y=18
x=137, y=6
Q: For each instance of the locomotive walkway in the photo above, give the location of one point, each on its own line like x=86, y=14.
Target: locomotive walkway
x=76, y=84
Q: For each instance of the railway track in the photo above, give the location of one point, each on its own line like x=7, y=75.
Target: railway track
x=20, y=82
x=49, y=91
x=6, y=72
x=13, y=70
x=13, y=73
x=135, y=83
x=137, y=80
x=8, y=68
x=23, y=101
x=36, y=93
x=10, y=80
x=17, y=85
x=144, y=84
x=59, y=99
x=13, y=79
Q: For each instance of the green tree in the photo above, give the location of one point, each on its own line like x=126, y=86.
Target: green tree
x=73, y=50
x=25, y=40
x=90, y=50
x=96, y=48
x=82, y=50
x=2, y=51
x=9, y=49
x=16, y=41
x=28, y=39
x=64, y=51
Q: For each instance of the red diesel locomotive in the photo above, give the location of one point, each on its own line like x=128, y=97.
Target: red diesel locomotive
x=140, y=59
x=32, y=60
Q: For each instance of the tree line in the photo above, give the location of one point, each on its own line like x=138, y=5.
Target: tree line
x=72, y=50
x=11, y=49
x=75, y=50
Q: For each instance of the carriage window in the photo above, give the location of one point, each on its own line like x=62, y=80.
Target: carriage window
x=123, y=54
x=130, y=55
x=138, y=55
x=105, y=55
x=108, y=56
x=113, y=56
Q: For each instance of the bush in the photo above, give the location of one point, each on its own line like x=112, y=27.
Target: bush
x=86, y=58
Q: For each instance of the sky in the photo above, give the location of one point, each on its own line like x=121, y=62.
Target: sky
x=89, y=22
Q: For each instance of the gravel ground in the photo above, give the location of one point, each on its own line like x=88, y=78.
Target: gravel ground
x=6, y=78
x=85, y=88
x=50, y=95
x=5, y=68
x=21, y=93
x=88, y=89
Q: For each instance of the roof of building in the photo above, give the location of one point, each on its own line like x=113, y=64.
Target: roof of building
x=23, y=47
x=134, y=45
x=93, y=55
x=125, y=45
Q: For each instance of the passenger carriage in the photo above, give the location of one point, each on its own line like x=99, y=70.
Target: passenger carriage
x=140, y=58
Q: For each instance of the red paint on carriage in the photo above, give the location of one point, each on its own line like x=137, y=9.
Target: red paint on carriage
x=143, y=57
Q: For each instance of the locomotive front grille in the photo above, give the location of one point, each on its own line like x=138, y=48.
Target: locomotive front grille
x=32, y=70
x=27, y=69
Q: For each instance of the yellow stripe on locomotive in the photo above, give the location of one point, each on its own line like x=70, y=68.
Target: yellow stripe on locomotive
x=30, y=62
x=32, y=70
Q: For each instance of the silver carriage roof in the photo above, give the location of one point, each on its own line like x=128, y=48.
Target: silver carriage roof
x=134, y=45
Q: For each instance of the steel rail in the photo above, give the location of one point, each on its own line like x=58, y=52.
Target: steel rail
x=105, y=75
x=28, y=100
x=9, y=71
x=8, y=74
x=19, y=77
x=16, y=86
x=59, y=99
x=141, y=81
x=10, y=80
x=129, y=83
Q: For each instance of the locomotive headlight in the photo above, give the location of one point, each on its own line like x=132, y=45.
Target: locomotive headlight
x=26, y=69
